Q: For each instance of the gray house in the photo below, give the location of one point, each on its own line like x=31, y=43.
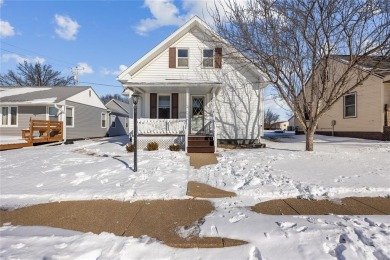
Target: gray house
x=79, y=108
x=118, y=117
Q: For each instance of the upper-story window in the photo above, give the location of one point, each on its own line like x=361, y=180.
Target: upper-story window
x=182, y=58
x=350, y=105
x=208, y=59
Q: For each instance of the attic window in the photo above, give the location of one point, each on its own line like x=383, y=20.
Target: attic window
x=90, y=93
x=208, y=59
x=182, y=58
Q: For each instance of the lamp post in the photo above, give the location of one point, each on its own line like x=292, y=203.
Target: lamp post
x=135, y=98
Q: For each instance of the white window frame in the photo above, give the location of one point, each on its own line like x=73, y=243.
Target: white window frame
x=170, y=105
x=105, y=120
x=177, y=58
x=213, y=57
x=9, y=116
x=70, y=126
x=48, y=114
x=345, y=106
x=111, y=121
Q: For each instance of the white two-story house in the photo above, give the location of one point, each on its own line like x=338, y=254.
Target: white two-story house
x=195, y=91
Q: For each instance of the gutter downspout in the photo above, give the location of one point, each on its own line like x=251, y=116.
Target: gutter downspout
x=214, y=122
x=262, y=85
x=63, y=119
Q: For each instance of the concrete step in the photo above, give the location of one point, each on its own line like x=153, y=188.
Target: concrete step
x=200, y=149
x=200, y=137
x=197, y=143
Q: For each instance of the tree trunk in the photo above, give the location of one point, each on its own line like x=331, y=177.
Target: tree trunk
x=309, y=139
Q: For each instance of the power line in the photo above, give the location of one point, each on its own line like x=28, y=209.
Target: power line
x=61, y=65
x=100, y=84
x=45, y=56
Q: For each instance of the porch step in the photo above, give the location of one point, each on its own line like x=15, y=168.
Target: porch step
x=200, y=144
x=200, y=149
x=200, y=137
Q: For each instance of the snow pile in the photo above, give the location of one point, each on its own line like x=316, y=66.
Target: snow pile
x=338, y=167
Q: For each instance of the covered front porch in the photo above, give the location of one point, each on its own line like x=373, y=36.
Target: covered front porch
x=175, y=111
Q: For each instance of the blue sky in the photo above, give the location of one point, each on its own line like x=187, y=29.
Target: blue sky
x=102, y=37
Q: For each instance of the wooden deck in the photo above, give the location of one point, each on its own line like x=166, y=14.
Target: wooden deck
x=40, y=131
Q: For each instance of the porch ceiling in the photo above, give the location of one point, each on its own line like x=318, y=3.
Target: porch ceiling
x=195, y=87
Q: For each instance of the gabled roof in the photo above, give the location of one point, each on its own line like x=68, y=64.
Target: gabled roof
x=38, y=94
x=380, y=64
x=113, y=105
x=169, y=41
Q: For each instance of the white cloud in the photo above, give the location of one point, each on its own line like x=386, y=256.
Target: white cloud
x=164, y=13
x=6, y=30
x=19, y=59
x=106, y=71
x=66, y=27
x=1, y=2
x=84, y=68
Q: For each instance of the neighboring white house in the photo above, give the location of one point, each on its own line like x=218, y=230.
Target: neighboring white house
x=191, y=84
x=79, y=108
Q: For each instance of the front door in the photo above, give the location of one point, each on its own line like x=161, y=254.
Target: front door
x=197, y=116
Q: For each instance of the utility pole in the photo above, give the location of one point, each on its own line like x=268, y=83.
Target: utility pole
x=76, y=75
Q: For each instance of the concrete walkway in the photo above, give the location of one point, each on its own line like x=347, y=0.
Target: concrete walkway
x=198, y=160
x=174, y=221
x=347, y=206
x=201, y=190
x=164, y=220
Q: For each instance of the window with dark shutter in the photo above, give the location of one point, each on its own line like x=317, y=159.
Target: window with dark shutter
x=153, y=105
x=218, y=58
x=175, y=105
x=172, y=58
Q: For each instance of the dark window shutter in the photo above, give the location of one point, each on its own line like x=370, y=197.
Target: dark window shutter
x=175, y=105
x=153, y=105
x=172, y=58
x=218, y=58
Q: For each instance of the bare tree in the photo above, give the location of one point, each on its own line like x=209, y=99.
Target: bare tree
x=270, y=118
x=29, y=74
x=106, y=98
x=312, y=51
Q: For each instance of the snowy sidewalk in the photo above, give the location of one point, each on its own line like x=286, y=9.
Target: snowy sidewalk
x=174, y=222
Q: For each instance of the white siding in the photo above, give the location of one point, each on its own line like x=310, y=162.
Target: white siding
x=238, y=105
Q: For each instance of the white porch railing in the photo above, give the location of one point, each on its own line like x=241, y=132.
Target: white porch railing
x=162, y=126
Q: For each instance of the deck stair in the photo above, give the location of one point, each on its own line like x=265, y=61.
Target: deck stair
x=200, y=144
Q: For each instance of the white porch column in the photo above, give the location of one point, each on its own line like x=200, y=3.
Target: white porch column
x=214, y=122
x=187, y=132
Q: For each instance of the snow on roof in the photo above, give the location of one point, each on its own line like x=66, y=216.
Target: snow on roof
x=37, y=94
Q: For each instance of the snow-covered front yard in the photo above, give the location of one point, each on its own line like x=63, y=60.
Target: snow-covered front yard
x=87, y=170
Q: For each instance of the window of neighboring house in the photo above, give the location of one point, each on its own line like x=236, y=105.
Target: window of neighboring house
x=53, y=114
x=164, y=107
x=126, y=122
x=350, y=105
x=69, y=116
x=103, y=117
x=113, y=121
x=208, y=59
x=182, y=58
x=9, y=116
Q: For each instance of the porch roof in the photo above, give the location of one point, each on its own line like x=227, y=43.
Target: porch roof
x=171, y=86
